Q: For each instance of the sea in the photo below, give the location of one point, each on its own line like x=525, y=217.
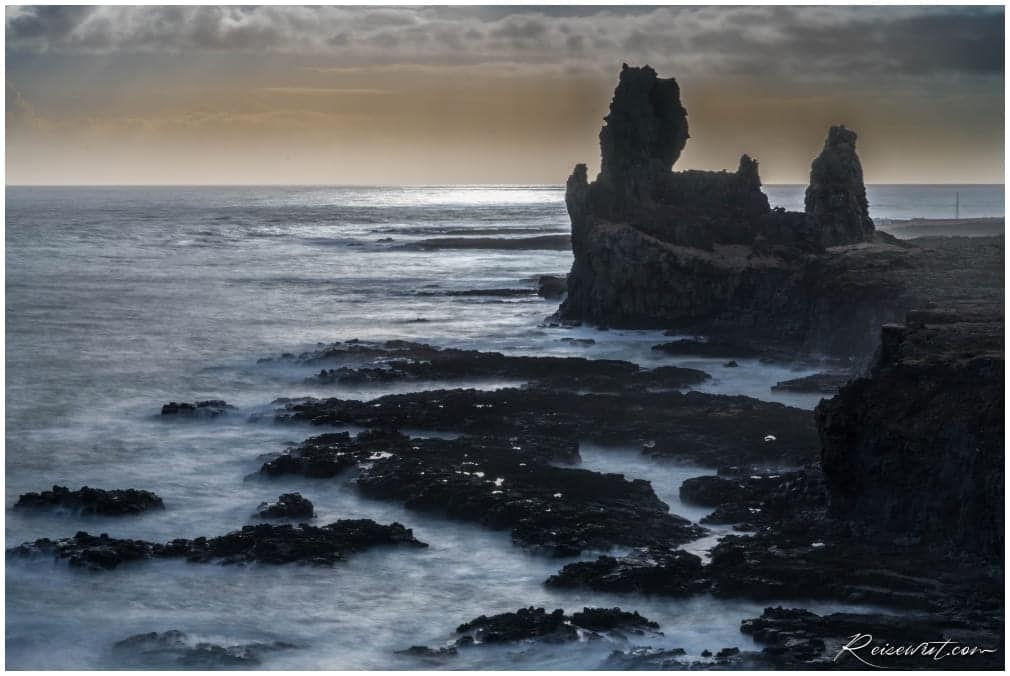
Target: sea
x=120, y=299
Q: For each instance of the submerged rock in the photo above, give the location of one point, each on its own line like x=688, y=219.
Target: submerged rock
x=210, y=408
x=288, y=506
x=262, y=543
x=175, y=649
x=88, y=501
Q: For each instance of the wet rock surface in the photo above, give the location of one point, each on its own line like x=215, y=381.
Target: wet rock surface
x=647, y=571
x=503, y=483
x=398, y=361
x=825, y=383
x=287, y=506
x=210, y=408
x=709, y=430
x=537, y=624
x=174, y=649
x=699, y=348
x=262, y=543
x=91, y=501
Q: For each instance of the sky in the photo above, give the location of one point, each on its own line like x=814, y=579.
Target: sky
x=431, y=95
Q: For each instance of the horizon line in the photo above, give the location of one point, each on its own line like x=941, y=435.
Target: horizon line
x=402, y=185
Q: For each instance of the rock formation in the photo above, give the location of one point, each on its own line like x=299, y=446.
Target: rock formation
x=704, y=251
x=836, y=196
x=916, y=447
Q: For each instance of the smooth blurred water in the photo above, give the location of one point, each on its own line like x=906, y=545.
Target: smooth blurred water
x=121, y=299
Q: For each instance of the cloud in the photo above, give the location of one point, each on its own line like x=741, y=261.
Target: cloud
x=780, y=41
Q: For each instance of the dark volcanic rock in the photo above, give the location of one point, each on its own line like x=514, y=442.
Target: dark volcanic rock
x=736, y=265
x=560, y=510
x=288, y=506
x=914, y=451
x=524, y=624
x=536, y=624
x=794, y=637
x=646, y=126
x=210, y=408
x=646, y=659
x=836, y=197
x=508, y=482
x=174, y=649
x=648, y=571
x=261, y=543
x=396, y=361
x=89, y=551
x=827, y=383
x=698, y=348
x=552, y=286
x=91, y=501
x=711, y=430
x=608, y=619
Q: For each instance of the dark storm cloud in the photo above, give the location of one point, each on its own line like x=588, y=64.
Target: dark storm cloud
x=746, y=41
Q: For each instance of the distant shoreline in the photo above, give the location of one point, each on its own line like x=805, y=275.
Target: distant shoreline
x=922, y=227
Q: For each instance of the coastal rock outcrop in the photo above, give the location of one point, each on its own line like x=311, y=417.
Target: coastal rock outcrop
x=263, y=543
x=914, y=450
x=835, y=200
x=287, y=506
x=704, y=251
x=88, y=501
x=537, y=624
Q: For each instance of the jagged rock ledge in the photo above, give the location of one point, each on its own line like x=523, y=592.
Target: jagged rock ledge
x=91, y=501
x=263, y=543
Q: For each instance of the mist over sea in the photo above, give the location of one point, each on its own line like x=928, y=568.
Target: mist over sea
x=122, y=299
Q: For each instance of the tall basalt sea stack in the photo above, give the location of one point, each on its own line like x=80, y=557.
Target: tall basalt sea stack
x=704, y=251
x=836, y=197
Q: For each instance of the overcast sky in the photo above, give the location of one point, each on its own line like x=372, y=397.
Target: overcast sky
x=286, y=94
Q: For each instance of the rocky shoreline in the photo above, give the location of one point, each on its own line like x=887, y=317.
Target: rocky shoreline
x=890, y=495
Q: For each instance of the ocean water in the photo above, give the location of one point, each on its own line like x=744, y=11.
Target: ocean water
x=121, y=299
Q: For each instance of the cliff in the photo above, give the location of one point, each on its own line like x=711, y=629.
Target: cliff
x=703, y=251
x=914, y=450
